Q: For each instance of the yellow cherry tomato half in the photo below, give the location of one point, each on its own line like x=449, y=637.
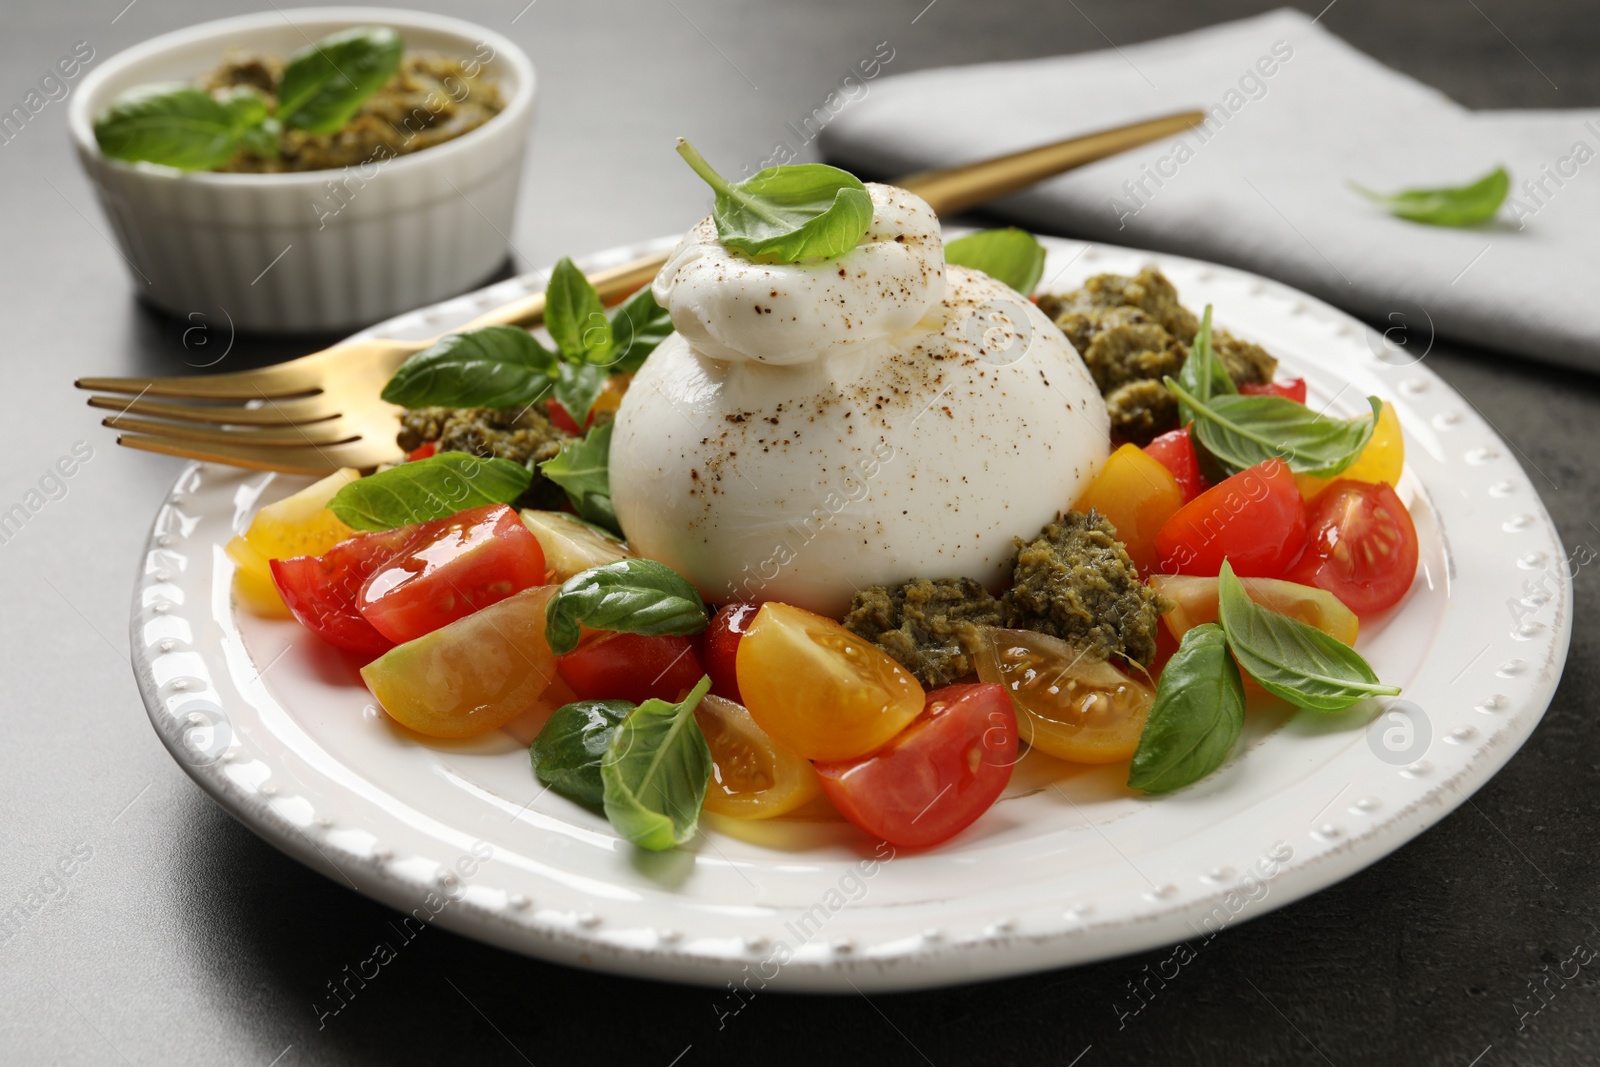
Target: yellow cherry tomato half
x=819, y=690
x=472, y=675
x=1381, y=461
x=1195, y=602
x=297, y=525
x=752, y=777
x=1070, y=705
x=1137, y=494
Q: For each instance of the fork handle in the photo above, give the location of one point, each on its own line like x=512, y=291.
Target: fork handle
x=948, y=192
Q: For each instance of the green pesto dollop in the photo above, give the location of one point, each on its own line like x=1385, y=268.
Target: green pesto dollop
x=930, y=626
x=522, y=435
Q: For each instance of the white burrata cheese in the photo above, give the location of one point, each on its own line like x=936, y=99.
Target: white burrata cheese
x=813, y=429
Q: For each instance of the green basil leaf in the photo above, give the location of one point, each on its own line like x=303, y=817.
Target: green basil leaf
x=172, y=124
x=1012, y=256
x=655, y=772
x=567, y=753
x=245, y=105
x=264, y=139
x=490, y=367
x=326, y=82
x=786, y=214
x=1290, y=659
x=431, y=488
x=1242, y=431
x=637, y=327
x=578, y=386
x=575, y=316
x=583, y=469
x=1202, y=372
x=1460, y=205
x=1197, y=716
x=630, y=596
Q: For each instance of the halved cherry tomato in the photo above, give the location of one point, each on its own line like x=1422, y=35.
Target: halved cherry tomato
x=1194, y=601
x=425, y=450
x=752, y=776
x=722, y=647
x=1069, y=705
x=820, y=690
x=560, y=419
x=1174, y=450
x=606, y=403
x=937, y=775
x=632, y=667
x=450, y=568
x=1361, y=547
x=1137, y=495
x=1381, y=461
x=1255, y=519
x=323, y=591
x=473, y=675
x=1292, y=389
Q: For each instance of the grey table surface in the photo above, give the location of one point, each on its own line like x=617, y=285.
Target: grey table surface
x=183, y=938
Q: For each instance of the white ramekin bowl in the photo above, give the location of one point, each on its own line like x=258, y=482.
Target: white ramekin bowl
x=318, y=250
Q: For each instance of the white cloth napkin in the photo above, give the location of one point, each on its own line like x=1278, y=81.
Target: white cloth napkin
x=1297, y=114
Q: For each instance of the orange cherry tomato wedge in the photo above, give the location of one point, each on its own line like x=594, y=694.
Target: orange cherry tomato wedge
x=1137, y=495
x=1069, y=704
x=1195, y=602
x=752, y=776
x=819, y=690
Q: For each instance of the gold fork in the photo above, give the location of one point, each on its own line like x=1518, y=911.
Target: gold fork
x=321, y=412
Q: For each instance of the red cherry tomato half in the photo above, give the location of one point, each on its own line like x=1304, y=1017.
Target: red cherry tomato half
x=423, y=451
x=935, y=777
x=1255, y=520
x=450, y=568
x=323, y=591
x=1174, y=450
x=561, y=419
x=1293, y=389
x=631, y=667
x=1361, y=546
x=722, y=647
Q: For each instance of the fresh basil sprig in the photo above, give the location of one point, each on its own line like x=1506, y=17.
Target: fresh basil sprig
x=788, y=213
x=490, y=367
x=1242, y=431
x=583, y=469
x=1292, y=660
x=174, y=125
x=1196, y=718
x=655, y=772
x=637, y=327
x=431, y=488
x=1012, y=256
x=1460, y=205
x=567, y=753
x=1202, y=372
x=631, y=596
x=326, y=82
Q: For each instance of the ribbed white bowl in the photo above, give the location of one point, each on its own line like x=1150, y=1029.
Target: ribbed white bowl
x=278, y=252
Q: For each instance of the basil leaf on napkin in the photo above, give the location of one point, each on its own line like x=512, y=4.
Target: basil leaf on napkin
x=172, y=124
x=567, y=753
x=1202, y=372
x=1460, y=205
x=1242, y=431
x=1290, y=659
x=788, y=213
x=1012, y=256
x=431, y=488
x=490, y=367
x=326, y=82
x=583, y=469
x=630, y=596
x=1196, y=718
x=655, y=772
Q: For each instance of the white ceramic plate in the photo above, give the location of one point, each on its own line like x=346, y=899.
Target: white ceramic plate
x=1068, y=867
